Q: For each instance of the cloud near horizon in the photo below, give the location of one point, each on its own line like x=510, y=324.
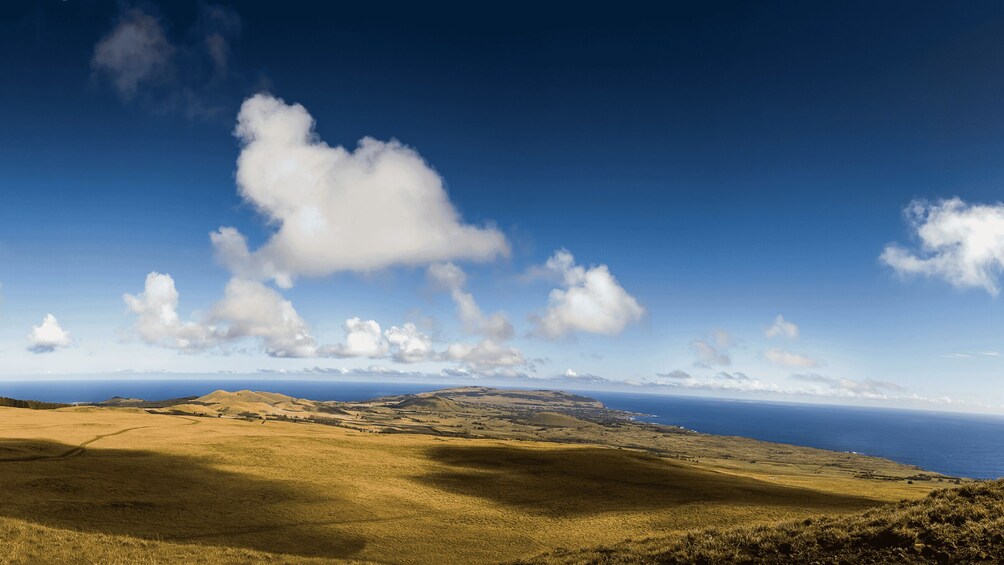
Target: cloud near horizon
x=158, y=322
x=333, y=209
x=784, y=358
x=960, y=243
x=250, y=309
x=490, y=355
x=869, y=388
x=247, y=309
x=590, y=301
x=48, y=336
x=452, y=278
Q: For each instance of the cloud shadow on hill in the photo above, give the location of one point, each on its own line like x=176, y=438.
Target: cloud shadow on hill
x=153, y=495
x=584, y=481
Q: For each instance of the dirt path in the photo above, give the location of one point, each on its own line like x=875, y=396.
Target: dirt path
x=72, y=452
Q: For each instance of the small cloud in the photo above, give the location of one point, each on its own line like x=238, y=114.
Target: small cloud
x=251, y=309
x=957, y=355
x=362, y=339
x=135, y=53
x=718, y=382
x=970, y=355
x=782, y=328
x=448, y=276
x=590, y=300
x=47, y=336
x=865, y=387
x=677, y=374
x=713, y=351
x=408, y=344
x=580, y=378
x=960, y=243
x=485, y=356
x=789, y=359
x=192, y=75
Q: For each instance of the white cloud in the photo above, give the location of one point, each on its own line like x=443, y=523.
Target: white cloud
x=789, y=359
x=339, y=210
x=782, y=327
x=579, y=379
x=815, y=385
x=136, y=51
x=490, y=356
x=959, y=242
x=451, y=277
x=591, y=301
x=869, y=388
x=158, y=322
x=486, y=355
x=715, y=351
x=248, y=309
x=446, y=276
x=409, y=344
x=362, y=339
x=708, y=355
x=404, y=344
x=718, y=382
x=47, y=336
x=251, y=309
x=675, y=374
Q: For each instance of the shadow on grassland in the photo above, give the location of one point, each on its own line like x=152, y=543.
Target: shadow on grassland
x=572, y=482
x=153, y=495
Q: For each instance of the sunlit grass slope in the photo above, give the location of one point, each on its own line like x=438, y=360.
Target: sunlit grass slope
x=959, y=525
x=106, y=484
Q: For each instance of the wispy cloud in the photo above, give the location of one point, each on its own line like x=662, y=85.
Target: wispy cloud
x=782, y=328
x=784, y=358
x=713, y=351
x=192, y=74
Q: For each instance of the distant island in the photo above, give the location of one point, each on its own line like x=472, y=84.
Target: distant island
x=458, y=475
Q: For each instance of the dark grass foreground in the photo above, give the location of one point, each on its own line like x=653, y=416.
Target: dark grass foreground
x=958, y=525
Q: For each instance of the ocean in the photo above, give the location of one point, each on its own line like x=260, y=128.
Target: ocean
x=955, y=444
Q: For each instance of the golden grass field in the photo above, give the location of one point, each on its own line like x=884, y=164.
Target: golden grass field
x=94, y=484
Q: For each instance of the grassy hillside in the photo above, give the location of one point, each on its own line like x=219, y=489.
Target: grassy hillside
x=93, y=481
x=960, y=525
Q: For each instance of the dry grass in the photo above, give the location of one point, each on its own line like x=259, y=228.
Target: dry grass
x=106, y=484
x=960, y=525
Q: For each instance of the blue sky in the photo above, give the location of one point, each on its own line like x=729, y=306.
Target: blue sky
x=710, y=168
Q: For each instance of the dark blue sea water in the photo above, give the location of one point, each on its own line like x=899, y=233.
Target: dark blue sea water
x=954, y=444
x=966, y=445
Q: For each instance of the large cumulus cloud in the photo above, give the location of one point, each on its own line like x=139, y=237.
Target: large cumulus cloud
x=336, y=209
